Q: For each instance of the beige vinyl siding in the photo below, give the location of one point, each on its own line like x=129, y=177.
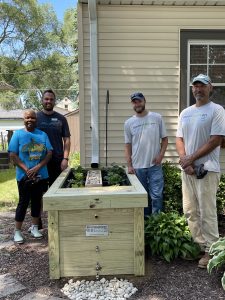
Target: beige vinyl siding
x=138, y=50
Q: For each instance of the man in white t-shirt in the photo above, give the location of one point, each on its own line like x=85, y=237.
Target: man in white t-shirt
x=145, y=145
x=200, y=131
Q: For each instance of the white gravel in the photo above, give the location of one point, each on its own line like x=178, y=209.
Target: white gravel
x=103, y=289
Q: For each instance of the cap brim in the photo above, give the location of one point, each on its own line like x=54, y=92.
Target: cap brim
x=137, y=98
x=201, y=80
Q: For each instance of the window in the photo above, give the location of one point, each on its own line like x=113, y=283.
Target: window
x=207, y=57
x=202, y=51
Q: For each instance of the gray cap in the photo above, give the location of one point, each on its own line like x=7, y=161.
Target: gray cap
x=202, y=78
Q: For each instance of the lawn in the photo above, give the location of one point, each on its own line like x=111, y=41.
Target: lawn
x=8, y=190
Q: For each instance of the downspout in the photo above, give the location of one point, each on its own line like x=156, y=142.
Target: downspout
x=94, y=83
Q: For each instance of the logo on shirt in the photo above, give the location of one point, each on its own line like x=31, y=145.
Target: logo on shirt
x=34, y=150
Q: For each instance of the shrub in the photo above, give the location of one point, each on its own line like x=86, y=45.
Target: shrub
x=168, y=236
x=74, y=159
x=172, y=193
x=220, y=196
x=217, y=250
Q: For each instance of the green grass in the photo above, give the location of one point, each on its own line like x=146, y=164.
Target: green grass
x=8, y=189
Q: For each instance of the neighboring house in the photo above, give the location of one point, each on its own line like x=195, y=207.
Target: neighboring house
x=151, y=46
x=9, y=121
x=74, y=125
x=13, y=119
x=66, y=104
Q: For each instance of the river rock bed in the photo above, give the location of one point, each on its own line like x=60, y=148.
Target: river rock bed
x=103, y=289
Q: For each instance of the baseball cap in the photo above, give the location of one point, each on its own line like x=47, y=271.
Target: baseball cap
x=202, y=78
x=137, y=96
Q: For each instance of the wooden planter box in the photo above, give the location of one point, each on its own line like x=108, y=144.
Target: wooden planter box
x=95, y=230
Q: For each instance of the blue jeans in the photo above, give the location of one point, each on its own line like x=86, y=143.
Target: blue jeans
x=153, y=182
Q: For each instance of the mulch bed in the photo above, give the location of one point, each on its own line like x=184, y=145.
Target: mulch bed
x=178, y=280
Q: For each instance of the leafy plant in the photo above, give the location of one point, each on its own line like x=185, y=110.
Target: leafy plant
x=74, y=159
x=168, y=236
x=79, y=176
x=172, y=193
x=115, y=175
x=220, y=196
x=217, y=250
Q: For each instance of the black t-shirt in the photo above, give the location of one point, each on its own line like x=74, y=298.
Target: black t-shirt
x=56, y=127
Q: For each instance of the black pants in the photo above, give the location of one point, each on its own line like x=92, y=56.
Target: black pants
x=29, y=192
x=54, y=170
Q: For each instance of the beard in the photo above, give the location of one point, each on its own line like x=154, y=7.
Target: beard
x=48, y=107
x=139, y=109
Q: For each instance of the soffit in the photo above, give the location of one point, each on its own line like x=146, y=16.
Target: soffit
x=162, y=2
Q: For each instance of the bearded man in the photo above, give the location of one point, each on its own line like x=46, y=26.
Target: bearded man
x=57, y=129
x=145, y=145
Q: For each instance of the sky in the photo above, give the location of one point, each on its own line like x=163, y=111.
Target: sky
x=60, y=6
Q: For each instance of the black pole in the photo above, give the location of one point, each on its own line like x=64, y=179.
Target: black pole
x=106, y=128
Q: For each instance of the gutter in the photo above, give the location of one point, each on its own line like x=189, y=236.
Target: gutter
x=94, y=83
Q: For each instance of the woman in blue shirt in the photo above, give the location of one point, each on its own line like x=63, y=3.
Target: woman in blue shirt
x=30, y=151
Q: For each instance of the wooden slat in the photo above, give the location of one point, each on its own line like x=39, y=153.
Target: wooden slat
x=139, y=255
x=96, y=216
x=53, y=245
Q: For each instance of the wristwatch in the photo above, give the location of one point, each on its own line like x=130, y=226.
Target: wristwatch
x=66, y=158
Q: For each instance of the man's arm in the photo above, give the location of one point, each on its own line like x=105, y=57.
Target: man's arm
x=181, y=152
x=180, y=146
x=128, y=153
x=213, y=142
x=159, y=158
x=66, y=152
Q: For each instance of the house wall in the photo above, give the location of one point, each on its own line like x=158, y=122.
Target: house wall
x=138, y=51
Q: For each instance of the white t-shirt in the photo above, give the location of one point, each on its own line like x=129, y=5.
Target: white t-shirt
x=144, y=134
x=196, y=125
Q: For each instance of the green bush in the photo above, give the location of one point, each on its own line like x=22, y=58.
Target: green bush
x=168, y=236
x=217, y=250
x=172, y=193
x=74, y=159
x=220, y=196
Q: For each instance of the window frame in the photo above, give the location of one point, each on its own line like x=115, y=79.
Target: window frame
x=194, y=35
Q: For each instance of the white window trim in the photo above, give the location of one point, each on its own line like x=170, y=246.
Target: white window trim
x=200, y=42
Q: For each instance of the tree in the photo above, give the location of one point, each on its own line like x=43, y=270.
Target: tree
x=27, y=30
x=37, y=52
x=9, y=100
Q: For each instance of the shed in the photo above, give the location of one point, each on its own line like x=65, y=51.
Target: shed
x=74, y=125
x=155, y=47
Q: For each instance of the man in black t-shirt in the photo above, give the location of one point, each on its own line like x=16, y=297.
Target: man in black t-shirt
x=57, y=129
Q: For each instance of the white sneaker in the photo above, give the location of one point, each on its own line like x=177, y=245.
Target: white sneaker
x=35, y=232
x=18, y=238
x=29, y=229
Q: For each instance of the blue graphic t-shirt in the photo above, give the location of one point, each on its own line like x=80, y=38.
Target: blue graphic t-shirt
x=31, y=147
